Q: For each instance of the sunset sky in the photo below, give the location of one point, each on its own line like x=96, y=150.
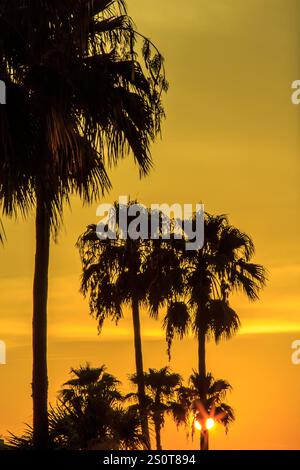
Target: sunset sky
x=231, y=140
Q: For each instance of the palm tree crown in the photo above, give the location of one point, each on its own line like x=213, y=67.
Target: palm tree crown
x=211, y=274
x=78, y=97
x=197, y=403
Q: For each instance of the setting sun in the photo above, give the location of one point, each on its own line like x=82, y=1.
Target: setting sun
x=198, y=425
x=209, y=423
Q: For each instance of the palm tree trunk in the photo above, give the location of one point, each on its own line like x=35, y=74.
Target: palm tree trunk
x=157, y=433
x=204, y=440
x=201, y=355
x=39, y=326
x=202, y=376
x=140, y=371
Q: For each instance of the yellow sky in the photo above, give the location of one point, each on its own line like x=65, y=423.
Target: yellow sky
x=232, y=141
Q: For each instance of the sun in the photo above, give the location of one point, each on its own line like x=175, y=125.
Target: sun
x=197, y=425
x=210, y=422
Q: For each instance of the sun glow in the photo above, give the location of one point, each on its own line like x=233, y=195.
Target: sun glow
x=210, y=422
x=198, y=425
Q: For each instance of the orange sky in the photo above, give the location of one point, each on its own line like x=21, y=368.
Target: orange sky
x=231, y=141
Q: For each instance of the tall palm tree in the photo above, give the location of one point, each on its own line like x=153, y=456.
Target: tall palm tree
x=161, y=386
x=78, y=96
x=113, y=274
x=193, y=407
x=223, y=265
x=123, y=271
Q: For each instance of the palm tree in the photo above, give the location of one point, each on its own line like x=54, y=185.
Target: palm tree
x=222, y=266
x=127, y=429
x=89, y=414
x=194, y=408
x=120, y=272
x=113, y=273
x=161, y=386
x=90, y=406
x=77, y=97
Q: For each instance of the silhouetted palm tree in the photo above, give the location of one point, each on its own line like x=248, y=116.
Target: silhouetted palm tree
x=113, y=274
x=221, y=267
x=127, y=429
x=161, y=386
x=123, y=271
x=195, y=407
x=77, y=97
x=92, y=409
x=90, y=415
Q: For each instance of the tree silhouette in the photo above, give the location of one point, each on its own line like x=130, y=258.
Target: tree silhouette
x=112, y=274
x=90, y=415
x=198, y=402
x=211, y=274
x=92, y=407
x=123, y=271
x=78, y=97
x=161, y=386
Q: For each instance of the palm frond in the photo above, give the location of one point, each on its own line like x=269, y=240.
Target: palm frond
x=176, y=322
